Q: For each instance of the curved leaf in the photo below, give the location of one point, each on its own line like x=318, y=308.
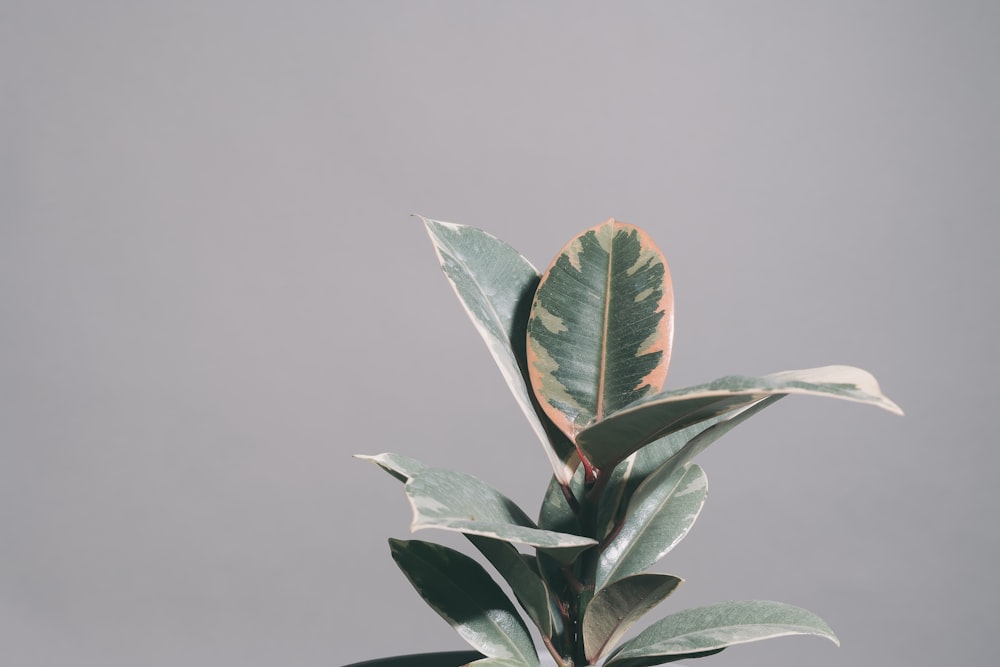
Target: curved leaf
x=601, y=326
x=613, y=439
x=524, y=581
x=660, y=514
x=715, y=627
x=495, y=285
x=461, y=591
x=458, y=502
x=678, y=448
x=616, y=607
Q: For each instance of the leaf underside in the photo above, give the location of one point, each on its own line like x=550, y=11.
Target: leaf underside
x=611, y=440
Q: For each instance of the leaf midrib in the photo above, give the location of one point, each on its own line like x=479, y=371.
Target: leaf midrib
x=599, y=408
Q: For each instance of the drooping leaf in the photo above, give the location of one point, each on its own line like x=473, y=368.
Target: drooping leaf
x=458, y=502
x=613, y=439
x=524, y=581
x=462, y=592
x=678, y=448
x=716, y=627
x=616, y=607
x=495, y=285
x=399, y=466
x=601, y=326
x=660, y=514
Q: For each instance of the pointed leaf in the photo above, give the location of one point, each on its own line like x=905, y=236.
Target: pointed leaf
x=495, y=285
x=660, y=514
x=461, y=591
x=601, y=326
x=524, y=581
x=399, y=466
x=716, y=627
x=616, y=607
x=610, y=441
x=458, y=502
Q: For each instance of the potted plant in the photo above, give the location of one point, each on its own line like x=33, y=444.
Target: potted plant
x=585, y=349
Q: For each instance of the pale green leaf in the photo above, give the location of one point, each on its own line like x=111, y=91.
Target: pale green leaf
x=715, y=627
x=611, y=440
x=659, y=515
x=495, y=285
x=462, y=592
x=601, y=326
x=462, y=503
x=616, y=607
x=399, y=466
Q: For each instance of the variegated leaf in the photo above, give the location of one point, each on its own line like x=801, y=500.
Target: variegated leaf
x=611, y=440
x=678, y=448
x=461, y=591
x=616, y=607
x=495, y=285
x=601, y=326
x=461, y=503
x=660, y=514
x=715, y=627
x=399, y=466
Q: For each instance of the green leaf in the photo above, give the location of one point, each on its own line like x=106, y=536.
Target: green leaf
x=458, y=502
x=495, y=662
x=616, y=607
x=610, y=441
x=678, y=448
x=716, y=627
x=556, y=512
x=601, y=326
x=399, y=466
x=660, y=514
x=524, y=581
x=495, y=285
x=461, y=591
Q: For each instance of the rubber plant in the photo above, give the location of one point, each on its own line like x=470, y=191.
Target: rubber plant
x=585, y=347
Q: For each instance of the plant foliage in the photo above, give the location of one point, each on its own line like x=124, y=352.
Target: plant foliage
x=585, y=347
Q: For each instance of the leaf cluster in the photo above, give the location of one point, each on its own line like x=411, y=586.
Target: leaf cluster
x=585, y=348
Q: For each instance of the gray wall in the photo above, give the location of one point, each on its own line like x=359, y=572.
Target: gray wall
x=211, y=295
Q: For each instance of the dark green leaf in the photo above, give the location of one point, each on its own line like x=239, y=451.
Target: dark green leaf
x=461, y=591
x=616, y=607
x=524, y=581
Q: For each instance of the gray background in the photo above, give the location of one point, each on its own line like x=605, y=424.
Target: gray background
x=211, y=295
